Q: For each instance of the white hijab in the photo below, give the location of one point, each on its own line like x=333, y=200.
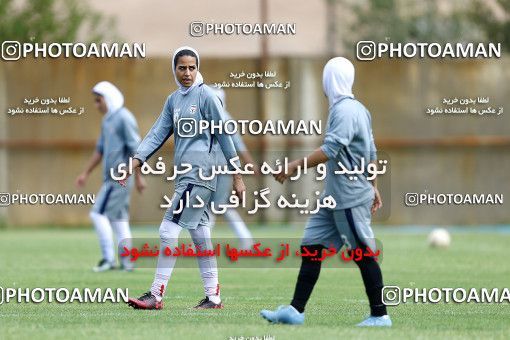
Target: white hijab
x=198, y=79
x=337, y=79
x=111, y=94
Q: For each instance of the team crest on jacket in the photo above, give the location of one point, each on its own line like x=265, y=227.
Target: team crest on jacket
x=193, y=109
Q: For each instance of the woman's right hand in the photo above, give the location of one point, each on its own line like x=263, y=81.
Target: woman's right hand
x=239, y=186
x=136, y=163
x=81, y=180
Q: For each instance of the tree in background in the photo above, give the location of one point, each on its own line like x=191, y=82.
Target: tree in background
x=52, y=21
x=495, y=25
x=424, y=21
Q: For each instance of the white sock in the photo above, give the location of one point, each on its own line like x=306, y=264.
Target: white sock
x=207, y=264
x=215, y=298
x=104, y=233
x=237, y=225
x=124, y=239
x=169, y=236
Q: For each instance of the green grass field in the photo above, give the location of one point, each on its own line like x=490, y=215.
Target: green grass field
x=63, y=258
